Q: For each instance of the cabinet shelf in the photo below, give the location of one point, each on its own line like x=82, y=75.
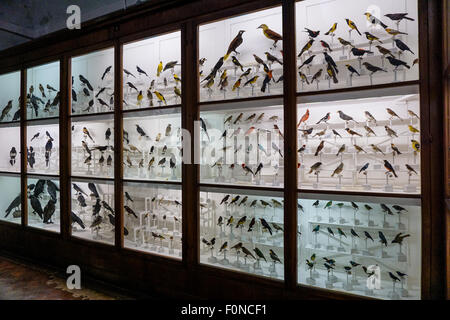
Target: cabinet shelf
x=152, y=111
x=244, y=190
x=388, y=89
x=360, y=196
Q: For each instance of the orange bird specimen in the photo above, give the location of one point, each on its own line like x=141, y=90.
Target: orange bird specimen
x=304, y=118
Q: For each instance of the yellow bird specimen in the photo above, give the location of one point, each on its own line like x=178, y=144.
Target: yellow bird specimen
x=415, y=145
x=332, y=29
x=412, y=129
x=272, y=35
x=159, y=69
x=352, y=25
x=140, y=97
x=177, y=91
x=160, y=97
x=177, y=78
x=394, y=32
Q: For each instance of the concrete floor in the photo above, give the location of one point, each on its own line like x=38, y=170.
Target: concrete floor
x=20, y=280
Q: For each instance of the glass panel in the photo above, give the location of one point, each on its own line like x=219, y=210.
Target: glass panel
x=242, y=147
x=153, y=218
x=43, y=148
x=43, y=91
x=241, y=57
x=367, y=144
x=10, y=97
x=152, y=72
x=93, y=82
x=10, y=209
x=152, y=146
x=365, y=248
x=93, y=146
x=347, y=43
x=92, y=214
x=10, y=142
x=242, y=232
x=44, y=204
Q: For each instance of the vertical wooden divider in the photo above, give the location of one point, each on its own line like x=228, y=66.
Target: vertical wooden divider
x=65, y=145
x=23, y=146
x=118, y=143
x=189, y=113
x=290, y=144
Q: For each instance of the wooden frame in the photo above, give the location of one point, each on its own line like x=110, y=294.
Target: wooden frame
x=189, y=278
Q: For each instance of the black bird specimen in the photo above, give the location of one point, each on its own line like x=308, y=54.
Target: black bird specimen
x=307, y=61
x=234, y=44
x=368, y=236
x=132, y=86
x=107, y=207
x=108, y=69
x=352, y=70
x=402, y=46
x=108, y=134
x=203, y=124
x=128, y=73
x=6, y=110
x=386, y=209
x=86, y=82
x=393, y=277
x=12, y=155
x=74, y=95
x=382, y=238
x=112, y=220
x=127, y=196
x=36, y=205
x=266, y=225
x=14, y=204
x=330, y=61
x=78, y=189
x=141, y=131
x=397, y=63
x=398, y=16
x=76, y=219
x=140, y=71
x=35, y=136
x=372, y=68
x=52, y=188
x=49, y=210
x=130, y=211
x=39, y=188
x=170, y=65
x=312, y=33
x=359, y=52
x=93, y=189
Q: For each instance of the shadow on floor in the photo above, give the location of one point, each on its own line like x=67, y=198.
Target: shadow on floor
x=20, y=280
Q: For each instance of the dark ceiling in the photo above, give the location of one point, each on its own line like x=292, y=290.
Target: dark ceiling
x=24, y=20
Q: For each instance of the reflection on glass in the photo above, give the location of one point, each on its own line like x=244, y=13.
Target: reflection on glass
x=152, y=72
x=43, y=91
x=152, y=147
x=242, y=56
x=363, y=145
x=242, y=232
x=93, y=148
x=92, y=215
x=153, y=219
x=345, y=43
x=365, y=248
x=10, y=209
x=43, y=148
x=242, y=147
x=44, y=204
x=10, y=97
x=10, y=154
x=93, y=82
